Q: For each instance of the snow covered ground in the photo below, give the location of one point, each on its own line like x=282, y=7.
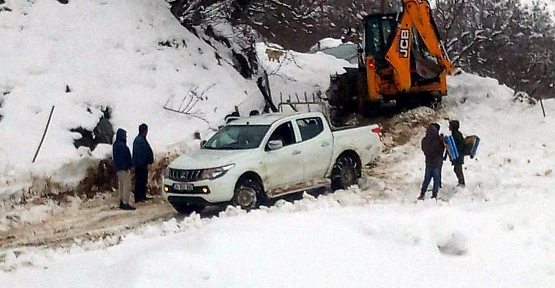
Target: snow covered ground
x=112, y=54
x=497, y=232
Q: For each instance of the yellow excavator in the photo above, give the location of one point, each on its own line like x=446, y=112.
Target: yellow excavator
x=401, y=61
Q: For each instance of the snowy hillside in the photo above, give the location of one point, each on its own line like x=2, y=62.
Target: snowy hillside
x=517, y=147
x=496, y=232
x=108, y=54
x=131, y=57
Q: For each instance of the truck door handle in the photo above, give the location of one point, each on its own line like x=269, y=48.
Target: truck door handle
x=324, y=144
x=296, y=152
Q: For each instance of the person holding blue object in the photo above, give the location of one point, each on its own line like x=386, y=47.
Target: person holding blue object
x=432, y=146
x=459, y=142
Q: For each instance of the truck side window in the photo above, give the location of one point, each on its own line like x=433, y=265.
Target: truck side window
x=284, y=132
x=310, y=127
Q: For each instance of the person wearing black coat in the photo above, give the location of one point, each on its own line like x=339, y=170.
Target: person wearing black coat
x=142, y=157
x=459, y=142
x=123, y=164
x=432, y=146
x=444, y=155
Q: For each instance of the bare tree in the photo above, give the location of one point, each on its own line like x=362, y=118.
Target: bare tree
x=496, y=38
x=500, y=39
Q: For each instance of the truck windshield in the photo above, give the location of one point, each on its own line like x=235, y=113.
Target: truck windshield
x=233, y=137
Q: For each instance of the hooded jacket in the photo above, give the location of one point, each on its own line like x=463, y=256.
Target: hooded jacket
x=142, y=153
x=459, y=140
x=433, y=147
x=121, y=153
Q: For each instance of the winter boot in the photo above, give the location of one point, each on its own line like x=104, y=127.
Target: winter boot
x=421, y=197
x=125, y=206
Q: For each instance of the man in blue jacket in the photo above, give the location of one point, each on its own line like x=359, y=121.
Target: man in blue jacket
x=123, y=164
x=142, y=157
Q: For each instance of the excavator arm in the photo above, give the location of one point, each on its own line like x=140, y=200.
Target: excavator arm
x=417, y=25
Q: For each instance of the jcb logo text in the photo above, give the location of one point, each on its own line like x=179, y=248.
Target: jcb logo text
x=404, y=43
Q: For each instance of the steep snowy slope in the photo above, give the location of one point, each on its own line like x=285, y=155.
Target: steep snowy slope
x=109, y=54
x=131, y=58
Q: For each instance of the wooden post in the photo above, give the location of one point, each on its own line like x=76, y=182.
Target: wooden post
x=43, y=134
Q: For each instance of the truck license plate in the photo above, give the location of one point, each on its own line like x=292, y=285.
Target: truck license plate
x=183, y=186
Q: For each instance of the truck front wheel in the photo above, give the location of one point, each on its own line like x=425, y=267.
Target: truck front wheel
x=247, y=194
x=343, y=173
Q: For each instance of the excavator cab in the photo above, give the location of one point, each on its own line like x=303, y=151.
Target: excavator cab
x=378, y=35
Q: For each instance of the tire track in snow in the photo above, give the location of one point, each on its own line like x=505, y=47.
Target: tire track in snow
x=85, y=222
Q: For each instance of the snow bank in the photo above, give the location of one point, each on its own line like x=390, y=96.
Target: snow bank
x=379, y=245
x=108, y=54
x=496, y=232
x=298, y=73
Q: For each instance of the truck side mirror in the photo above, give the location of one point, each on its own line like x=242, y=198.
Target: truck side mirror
x=202, y=143
x=275, y=144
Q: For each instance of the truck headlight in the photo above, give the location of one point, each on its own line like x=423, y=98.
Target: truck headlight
x=213, y=173
x=167, y=173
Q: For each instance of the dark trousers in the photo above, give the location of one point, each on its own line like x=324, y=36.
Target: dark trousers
x=141, y=178
x=431, y=173
x=459, y=172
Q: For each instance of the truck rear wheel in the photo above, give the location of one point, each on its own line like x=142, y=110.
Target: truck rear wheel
x=343, y=173
x=247, y=194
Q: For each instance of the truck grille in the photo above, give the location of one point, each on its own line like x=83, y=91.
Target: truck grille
x=186, y=175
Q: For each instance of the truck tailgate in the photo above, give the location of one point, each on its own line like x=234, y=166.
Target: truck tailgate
x=365, y=141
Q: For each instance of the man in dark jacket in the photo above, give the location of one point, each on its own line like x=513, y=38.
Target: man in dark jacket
x=432, y=146
x=123, y=164
x=142, y=157
x=444, y=155
x=459, y=142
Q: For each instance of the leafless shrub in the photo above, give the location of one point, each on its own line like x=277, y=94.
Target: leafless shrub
x=188, y=103
x=523, y=97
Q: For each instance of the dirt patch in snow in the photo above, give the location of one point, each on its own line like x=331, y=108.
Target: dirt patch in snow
x=51, y=225
x=398, y=130
x=386, y=178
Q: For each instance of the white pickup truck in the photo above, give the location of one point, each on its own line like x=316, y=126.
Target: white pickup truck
x=251, y=160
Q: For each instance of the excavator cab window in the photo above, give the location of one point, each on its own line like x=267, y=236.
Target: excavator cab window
x=379, y=32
